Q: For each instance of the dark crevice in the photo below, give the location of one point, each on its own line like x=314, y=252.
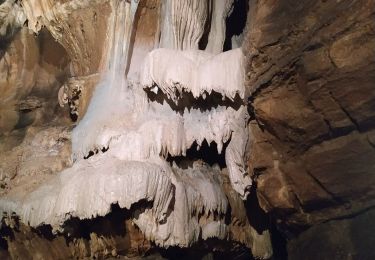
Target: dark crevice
x=186, y=100
x=313, y=47
x=258, y=218
x=261, y=221
x=73, y=117
x=354, y=122
x=279, y=244
x=96, y=151
x=112, y=224
x=207, y=28
x=317, y=181
x=206, y=153
x=72, y=102
x=44, y=231
x=5, y=232
x=351, y=215
x=211, y=248
x=235, y=21
x=25, y=119
x=91, y=153
x=7, y=39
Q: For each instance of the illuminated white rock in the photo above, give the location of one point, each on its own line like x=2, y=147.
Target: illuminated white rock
x=129, y=137
x=195, y=71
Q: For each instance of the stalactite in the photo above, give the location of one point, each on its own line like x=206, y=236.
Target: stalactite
x=120, y=146
x=184, y=23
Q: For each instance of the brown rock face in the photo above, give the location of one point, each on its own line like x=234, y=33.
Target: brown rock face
x=34, y=131
x=310, y=76
x=340, y=239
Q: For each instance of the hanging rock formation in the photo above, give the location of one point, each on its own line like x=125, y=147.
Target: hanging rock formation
x=130, y=145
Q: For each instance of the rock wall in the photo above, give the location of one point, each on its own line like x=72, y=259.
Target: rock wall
x=310, y=78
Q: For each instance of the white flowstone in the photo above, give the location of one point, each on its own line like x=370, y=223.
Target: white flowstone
x=197, y=72
x=183, y=23
x=138, y=134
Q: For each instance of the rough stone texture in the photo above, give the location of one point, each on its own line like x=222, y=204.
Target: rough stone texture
x=34, y=130
x=79, y=26
x=347, y=238
x=101, y=238
x=310, y=73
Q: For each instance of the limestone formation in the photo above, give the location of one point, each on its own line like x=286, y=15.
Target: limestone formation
x=196, y=129
x=127, y=145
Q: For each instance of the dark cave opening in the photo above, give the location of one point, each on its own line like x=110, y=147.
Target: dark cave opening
x=235, y=22
x=206, y=153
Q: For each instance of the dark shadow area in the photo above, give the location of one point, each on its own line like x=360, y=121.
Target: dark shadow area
x=12, y=139
x=279, y=244
x=73, y=117
x=44, y=231
x=207, y=28
x=187, y=100
x=4, y=43
x=206, y=153
x=235, y=22
x=210, y=249
x=73, y=107
x=115, y=227
x=26, y=118
x=112, y=224
x=7, y=232
x=96, y=151
x=261, y=221
x=258, y=218
x=7, y=38
x=91, y=153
